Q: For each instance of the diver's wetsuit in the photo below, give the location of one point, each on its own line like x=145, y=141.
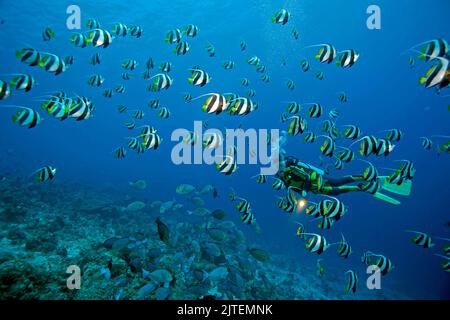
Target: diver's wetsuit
x=304, y=177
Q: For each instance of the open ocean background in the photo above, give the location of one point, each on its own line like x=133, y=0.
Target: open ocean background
x=382, y=90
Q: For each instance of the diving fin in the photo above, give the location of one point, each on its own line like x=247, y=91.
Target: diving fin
x=404, y=189
x=386, y=198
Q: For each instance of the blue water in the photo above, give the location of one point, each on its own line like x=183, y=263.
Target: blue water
x=382, y=89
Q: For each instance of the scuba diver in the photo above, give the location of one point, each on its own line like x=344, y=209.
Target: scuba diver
x=305, y=178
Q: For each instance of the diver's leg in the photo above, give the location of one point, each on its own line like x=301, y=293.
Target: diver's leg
x=337, y=182
x=335, y=191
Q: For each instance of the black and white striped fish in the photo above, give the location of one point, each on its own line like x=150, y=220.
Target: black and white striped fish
x=433, y=49
x=211, y=50
x=79, y=40
x=191, y=138
x=347, y=58
x=154, y=103
x=313, y=210
x=315, y=111
x=48, y=34
x=304, y=64
x=297, y=126
x=281, y=17
x=421, y=239
x=383, y=263
x=129, y=64
x=316, y=243
x=99, y=38
x=23, y=82
x=254, y=61
x=108, y=93
x=52, y=63
x=212, y=140
x=245, y=82
x=122, y=108
x=130, y=125
x=333, y=114
x=342, y=97
x=120, y=29
x=81, y=109
x=265, y=78
x=438, y=75
x=120, y=153
x=326, y=54
x=29, y=56
x=248, y=218
x=227, y=166
x=136, y=31
x=181, y=48
x=160, y=81
x=368, y=145
x=151, y=140
x=164, y=113
x=25, y=117
x=370, y=173
x=310, y=137
x=290, y=84
x=261, y=178
x=95, y=80
x=119, y=89
x=427, y=144
x=95, y=59
x=394, y=135
x=92, y=24
x=278, y=184
x=191, y=30
x=371, y=187
x=319, y=75
x=199, y=78
x=215, y=103
x=228, y=65
x=351, y=282
x=334, y=208
x=384, y=147
x=261, y=68
x=351, y=132
x=344, y=249
x=328, y=147
x=173, y=36
x=338, y=164
x=346, y=155
x=44, y=174
x=138, y=114
x=242, y=106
